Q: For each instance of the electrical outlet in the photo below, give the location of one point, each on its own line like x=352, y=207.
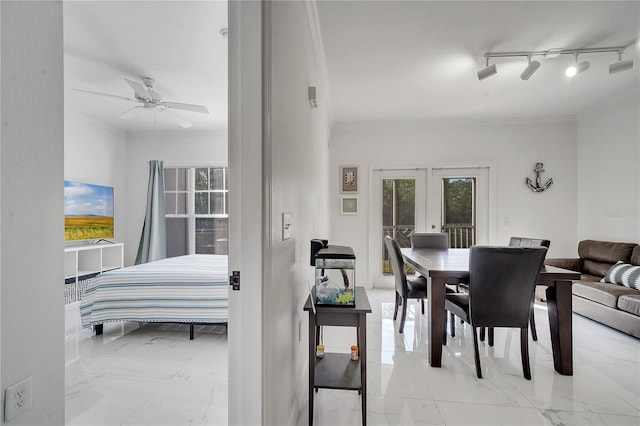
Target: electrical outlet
x=17, y=399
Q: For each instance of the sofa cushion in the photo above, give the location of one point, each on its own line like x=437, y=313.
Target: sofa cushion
x=635, y=256
x=623, y=274
x=592, y=267
x=604, y=293
x=630, y=303
x=605, y=251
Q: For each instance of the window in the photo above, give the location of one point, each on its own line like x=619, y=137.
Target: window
x=197, y=210
x=398, y=214
x=458, y=210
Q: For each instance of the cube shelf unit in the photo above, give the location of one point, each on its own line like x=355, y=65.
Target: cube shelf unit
x=82, y=263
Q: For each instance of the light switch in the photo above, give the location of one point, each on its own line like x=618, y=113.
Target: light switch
x=286, y=226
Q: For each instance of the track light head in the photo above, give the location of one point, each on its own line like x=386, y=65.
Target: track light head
x=577, y=68
x=620, y=65
x=487, y=71
x=530, y=69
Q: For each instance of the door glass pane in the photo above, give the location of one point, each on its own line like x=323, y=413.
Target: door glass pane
x=398, y=214
x=181, y=203
x=458, y=214
x=217, y=203
x=182, y=179
x=202, y=179
x=212, y=236
x=170, y=180
x=177, y=236
x=170, y=202
x=202, y=203
x=217, y=180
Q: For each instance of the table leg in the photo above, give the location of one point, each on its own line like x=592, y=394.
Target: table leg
x=436, y=319
x=559, y=307
x=362, y=349
x=312, y=362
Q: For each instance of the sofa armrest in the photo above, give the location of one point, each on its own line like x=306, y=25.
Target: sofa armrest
x=572, y=264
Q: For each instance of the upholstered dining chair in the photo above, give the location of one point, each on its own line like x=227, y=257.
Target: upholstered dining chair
x=522, y=242
x=405, y=289
x=436, y=240
x=502, y=282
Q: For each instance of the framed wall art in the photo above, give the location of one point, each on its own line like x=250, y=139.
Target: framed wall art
x=348, y=179
x=349, y=205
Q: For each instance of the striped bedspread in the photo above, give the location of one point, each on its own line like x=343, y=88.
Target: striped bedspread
x=188, y=289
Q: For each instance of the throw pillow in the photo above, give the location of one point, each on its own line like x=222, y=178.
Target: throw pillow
x=623, y=274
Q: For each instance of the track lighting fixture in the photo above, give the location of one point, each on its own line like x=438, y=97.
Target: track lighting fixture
x=620, y=65
x=577, y=68
x=487, y=71
x=530, y=69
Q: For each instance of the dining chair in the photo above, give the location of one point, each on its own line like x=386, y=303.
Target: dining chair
x=436, y=240
x=522, y=242
x=529, y=242
x=502, y=282
x=405, y=288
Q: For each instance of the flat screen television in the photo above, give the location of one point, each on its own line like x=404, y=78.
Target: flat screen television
x=88, y=211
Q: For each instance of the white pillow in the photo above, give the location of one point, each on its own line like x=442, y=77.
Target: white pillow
x=623, y=274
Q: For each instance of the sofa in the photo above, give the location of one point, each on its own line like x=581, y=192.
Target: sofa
x=614, y=302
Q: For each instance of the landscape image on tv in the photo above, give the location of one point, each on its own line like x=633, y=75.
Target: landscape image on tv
x=88, y=211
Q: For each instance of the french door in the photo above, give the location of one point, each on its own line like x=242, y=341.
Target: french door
x=451, y=200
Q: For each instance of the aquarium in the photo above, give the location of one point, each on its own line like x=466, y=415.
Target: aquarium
x=335, y=276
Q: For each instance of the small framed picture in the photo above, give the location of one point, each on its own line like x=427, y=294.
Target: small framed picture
x=349, y=205
x=348, y=179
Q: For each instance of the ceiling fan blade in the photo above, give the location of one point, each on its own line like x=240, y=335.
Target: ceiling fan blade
x=182, y=122
x=128, y=114
x=187, y=107
x=139, y=89
x=106, y=94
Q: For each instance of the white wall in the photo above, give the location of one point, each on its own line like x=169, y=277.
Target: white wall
x=95, y=153
x=191, y=148
x=511, y=146
x=299, y=185
x=609, y=171
x=32, y=224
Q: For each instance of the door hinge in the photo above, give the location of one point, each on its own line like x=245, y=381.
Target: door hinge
x=234, y=280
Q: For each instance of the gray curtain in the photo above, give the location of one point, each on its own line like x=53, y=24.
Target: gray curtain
x=153, y=242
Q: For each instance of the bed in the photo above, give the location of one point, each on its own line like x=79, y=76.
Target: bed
x=191, y=289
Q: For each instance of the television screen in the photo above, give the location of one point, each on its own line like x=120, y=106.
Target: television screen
x=88, y=211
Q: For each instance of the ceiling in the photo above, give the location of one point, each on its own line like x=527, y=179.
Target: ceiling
x=385, y=60
x=177, y=43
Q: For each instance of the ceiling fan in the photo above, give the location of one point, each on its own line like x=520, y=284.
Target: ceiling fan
x=150, y=100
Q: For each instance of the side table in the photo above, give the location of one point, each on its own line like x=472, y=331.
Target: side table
x=337, y=370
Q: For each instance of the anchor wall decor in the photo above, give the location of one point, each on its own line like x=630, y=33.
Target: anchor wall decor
x=537, y=187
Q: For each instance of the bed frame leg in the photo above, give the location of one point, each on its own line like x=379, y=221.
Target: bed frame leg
x=190, y=331
x=98, y=329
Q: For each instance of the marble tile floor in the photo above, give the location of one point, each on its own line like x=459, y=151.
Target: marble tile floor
x=153, y=375
x=149, y=374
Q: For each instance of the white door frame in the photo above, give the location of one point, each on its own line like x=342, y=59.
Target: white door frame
x=483, y=206
x=376, y=176
x=246, y=212
x=428, y=210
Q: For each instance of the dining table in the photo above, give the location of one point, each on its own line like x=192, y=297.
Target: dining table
x=451, y=266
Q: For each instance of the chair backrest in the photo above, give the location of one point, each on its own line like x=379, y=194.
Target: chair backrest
x=528, y=242
x=395, y=255
x=439, y=240
x=502, y=281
